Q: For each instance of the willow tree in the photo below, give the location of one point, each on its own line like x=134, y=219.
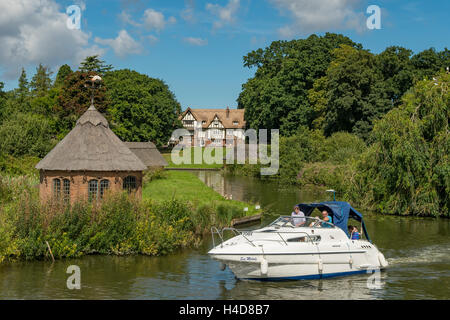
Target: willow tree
x=407, y=169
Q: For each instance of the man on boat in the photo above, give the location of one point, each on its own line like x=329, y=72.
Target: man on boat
x=299, y=219
x=327, y=218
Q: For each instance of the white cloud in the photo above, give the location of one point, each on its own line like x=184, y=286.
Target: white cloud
x=196, y=41
x=226, y=14
x=33, y=32
x=154, y=20
x=320, y=15
x=122, y=45
x=151, y=20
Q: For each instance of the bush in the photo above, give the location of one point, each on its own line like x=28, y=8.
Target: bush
x=26, y=134
x=119, y=225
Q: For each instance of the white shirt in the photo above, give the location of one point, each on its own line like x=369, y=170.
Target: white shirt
x=301, y=217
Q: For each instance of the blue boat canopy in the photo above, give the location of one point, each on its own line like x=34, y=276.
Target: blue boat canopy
x=340, y=212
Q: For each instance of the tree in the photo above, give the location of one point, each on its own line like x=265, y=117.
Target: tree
x=63, y=72
x=429, y=62
x=356, y=93
x=26, y=134
x=141, y=108
x=407, y=169
x=41, y=81
x=23, y=84
x=75, y=98
x=93, y=64
x=397, y=70
x=277, y=96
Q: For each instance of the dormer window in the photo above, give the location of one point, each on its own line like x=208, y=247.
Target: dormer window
x=235, y=123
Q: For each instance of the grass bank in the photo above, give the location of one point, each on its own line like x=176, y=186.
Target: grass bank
x=185, y=186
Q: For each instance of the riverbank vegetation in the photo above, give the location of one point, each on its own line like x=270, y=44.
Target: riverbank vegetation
x=402, y=168
x=374, y=127
x=176, y=211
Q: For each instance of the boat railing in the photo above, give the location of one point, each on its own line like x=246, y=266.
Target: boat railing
x=245, y=233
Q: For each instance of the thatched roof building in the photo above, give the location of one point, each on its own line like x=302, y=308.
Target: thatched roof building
x=91, y=145
x=88, y=161
x=147, y=153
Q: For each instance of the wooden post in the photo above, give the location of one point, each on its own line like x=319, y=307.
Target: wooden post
x=48, y=246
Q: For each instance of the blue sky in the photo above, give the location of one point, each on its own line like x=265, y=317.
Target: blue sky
x=197, y=46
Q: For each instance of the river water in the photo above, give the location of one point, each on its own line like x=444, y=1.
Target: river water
x=417, y=249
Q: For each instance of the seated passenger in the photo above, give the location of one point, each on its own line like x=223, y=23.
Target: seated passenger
x=299, y=219
x=350, y=230
x=326, y=218
x=355, y=234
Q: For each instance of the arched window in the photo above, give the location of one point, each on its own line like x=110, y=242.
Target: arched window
x=93, y=190
x=129, y=183
x=56, y=188
x=66, y=190
x=104, y=185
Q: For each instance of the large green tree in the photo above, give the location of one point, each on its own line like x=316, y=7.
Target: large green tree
x=141, y=108
x=356, y=93
x=397, y=71
x=277, y=96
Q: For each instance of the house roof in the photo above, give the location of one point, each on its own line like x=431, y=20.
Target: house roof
x=147, y=153
x=91, y=146
x=226, y=116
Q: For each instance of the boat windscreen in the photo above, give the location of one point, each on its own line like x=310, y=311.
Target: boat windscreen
x=300, y=222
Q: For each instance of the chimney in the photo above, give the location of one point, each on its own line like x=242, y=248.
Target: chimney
x=228, y=112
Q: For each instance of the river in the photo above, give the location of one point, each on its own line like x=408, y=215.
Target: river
x=417, y=249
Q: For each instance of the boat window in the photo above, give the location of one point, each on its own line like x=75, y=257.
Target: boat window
x=297, y=239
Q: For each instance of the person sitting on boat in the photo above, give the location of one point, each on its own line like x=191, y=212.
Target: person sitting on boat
x=299, y=219
x=326, y=218
x=354, y=234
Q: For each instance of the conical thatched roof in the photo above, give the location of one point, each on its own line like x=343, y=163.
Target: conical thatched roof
x=91, y=146
x=147, y=153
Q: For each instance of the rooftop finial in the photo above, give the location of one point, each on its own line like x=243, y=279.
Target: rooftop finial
x=93, y=83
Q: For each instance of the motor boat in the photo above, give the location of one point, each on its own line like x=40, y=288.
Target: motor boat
x=288, y=249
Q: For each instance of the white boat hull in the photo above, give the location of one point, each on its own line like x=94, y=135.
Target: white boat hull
x=257, y=259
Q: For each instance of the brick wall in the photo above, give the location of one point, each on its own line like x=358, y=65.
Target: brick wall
x=79, y=183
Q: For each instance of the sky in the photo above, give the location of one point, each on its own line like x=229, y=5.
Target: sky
x=197, y=46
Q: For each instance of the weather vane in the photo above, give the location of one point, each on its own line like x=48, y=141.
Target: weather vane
x=93, y=83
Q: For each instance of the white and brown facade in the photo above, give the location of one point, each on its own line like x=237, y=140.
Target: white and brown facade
x=218, y=127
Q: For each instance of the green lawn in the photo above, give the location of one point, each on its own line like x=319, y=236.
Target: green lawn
x=186, y=186
x=202, y=165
